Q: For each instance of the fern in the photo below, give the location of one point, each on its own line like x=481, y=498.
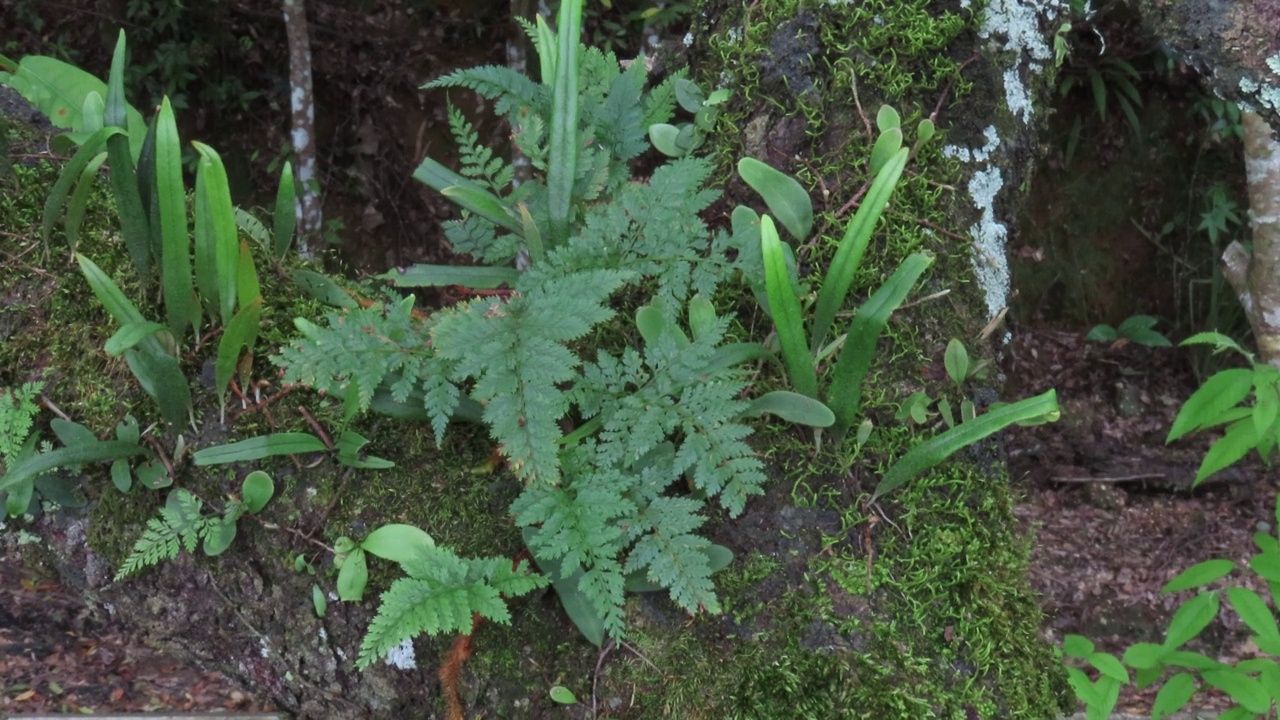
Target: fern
x=180, y=525
x=512, y=90
x=441, y=594
x=478, y=161
x=17, y=409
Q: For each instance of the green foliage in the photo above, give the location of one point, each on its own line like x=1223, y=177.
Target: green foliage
x=1139, y=329
x=803, y=349
x=182, y=524
x=151, y=201
x=26, y=474
x=683, y=139
x=1245, y=400
x=1252, y=684
x=17, y=409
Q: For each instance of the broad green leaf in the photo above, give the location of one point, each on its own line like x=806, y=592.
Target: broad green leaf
x=256, y=491
x=1266, y=408
x=1221, y=392
x=218, y=536
x=239, y=335
x=1083, y=687
x=845, y=395
x=1198, y=575
x=121, y=475
x=689, y=95
x=353, y=577
x=653, y=326
x=887, y=145
x=665, y=137
x=285, y=219
x=135, y=225
x=256, y=448
x=1240, y=438
x=702, y=316
x=785, y=309
x=1267, y=565
x=788, y=201
x=162, y=378
x=1143, y=656
x=58, y=90
x=792, y=407
x=1246, y=691
x=1190, y=619
x=129, y=335
x=476, y=277
x=175, y=261
x=925, y=131
x=1102, y=333
x=887, y=119
x=1109, y=666
x=1192, y=660
x=844, y=265
x=562, y=695
x=1175, y=693
x=79, y=455
x=152, y=475
x=65, y=492
x=933, y=451
x=956, y=360
x=1253, y=610
x=71, y=433
x=397, y=542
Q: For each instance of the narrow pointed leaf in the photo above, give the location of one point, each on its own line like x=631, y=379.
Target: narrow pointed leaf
x=785, y=309
x=39, y=463
x=476, y=277
x=179, y=297
x=792, y=407
x=854, y=243
x=285, y=219
x=256, y=448
x=933, y=451
x=239, y=336
x=845, y=396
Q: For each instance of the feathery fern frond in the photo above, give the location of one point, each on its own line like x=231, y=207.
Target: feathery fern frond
x=511, y=89
x=179, y=526
x=440, y=595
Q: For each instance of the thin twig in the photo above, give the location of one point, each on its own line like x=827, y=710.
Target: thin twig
x=1109, y=478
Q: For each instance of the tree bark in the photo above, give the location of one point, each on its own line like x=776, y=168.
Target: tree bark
x=303, y=135
x=1255, y=274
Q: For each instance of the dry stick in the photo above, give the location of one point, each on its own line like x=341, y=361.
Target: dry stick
x=1109, y=478
x=938, y=229
x=44, y=400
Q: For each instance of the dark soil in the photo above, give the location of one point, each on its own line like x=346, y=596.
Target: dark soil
x=1111, y=506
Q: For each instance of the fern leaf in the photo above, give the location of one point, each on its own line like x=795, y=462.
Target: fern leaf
x=620, y=119
x=158, y=542
x=678, y=562
x=441, y=595
x=512, y=89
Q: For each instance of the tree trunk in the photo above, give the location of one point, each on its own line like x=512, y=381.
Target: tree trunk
x=303, y=135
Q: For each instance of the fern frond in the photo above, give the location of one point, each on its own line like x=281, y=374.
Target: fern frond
x=440, y=595
x=511, y=89
x=673, y=557
x=660, y=105
x=159, y=542
x=479, y=161
x=619, y=121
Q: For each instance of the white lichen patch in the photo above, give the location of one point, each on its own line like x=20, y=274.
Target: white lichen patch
x=401, y=656
x=264, y=648
x=1016, y=24
x=990, y=263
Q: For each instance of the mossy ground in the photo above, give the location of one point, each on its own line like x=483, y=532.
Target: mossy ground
x=916, y=607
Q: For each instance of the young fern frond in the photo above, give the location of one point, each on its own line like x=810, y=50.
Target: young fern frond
x=441, y=594
x=511, y=89
x=478, y=161
x=180, y=526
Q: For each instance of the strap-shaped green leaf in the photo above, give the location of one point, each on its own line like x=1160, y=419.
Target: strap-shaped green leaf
x=175, y=262
x=562, y=169
x=785, y=309
x=62, y=457
x=285, y=219
x=256, y=448
x=933, y=451
x=224, y=249
x=160, y=376
x=792, y=407
x=71, y=173
x=80, y=199
x=849, y=254
x=476, y=277
x=239, y=335
x=845, y=395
